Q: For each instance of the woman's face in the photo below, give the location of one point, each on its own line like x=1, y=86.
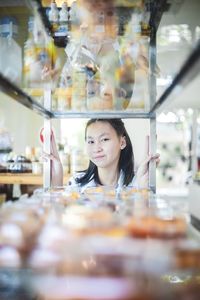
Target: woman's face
x=103, y=144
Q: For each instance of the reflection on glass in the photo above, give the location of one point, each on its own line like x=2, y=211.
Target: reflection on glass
x=105, y=65
x=177, y=36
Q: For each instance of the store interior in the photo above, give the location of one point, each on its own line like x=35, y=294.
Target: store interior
x=61, y=64
x=177, y=35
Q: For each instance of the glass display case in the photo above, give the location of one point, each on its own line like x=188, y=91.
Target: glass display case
x=81, y=59
x=117, y=46
x=104, y=59
x=101, y=66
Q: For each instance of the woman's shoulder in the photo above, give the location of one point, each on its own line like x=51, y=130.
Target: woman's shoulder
x=73, y=182
x=74, y=177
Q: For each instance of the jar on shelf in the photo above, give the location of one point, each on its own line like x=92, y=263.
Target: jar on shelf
x=63, y=99
x=79, y=78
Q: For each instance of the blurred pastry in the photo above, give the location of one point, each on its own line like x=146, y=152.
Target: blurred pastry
x=155, y=227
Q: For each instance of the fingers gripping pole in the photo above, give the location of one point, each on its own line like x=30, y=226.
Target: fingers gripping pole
x=47, y=139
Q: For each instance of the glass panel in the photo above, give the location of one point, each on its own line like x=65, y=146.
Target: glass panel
x=177, y=36
x=106, y=57
x=25, y=50
x=99, y=63
x=96, y=56
x=13, y=32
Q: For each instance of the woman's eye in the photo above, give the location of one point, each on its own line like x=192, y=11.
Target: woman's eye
x=90, y=142
x=105, y=139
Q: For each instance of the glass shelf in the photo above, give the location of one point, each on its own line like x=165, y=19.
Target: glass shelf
x=101, y=69
x=23, y=98
x=104, y=114
x=105, y=67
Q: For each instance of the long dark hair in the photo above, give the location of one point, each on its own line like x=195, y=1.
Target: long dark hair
x=126, y=160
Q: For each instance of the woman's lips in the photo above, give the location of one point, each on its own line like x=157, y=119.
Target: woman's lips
x=99, y=157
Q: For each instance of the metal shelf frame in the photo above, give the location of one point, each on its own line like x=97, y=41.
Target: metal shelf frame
x=104, y=114
x=156, y=9
x=188, y=71
x=23, y=98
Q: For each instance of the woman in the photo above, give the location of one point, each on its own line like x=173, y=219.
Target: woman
x=111, y=158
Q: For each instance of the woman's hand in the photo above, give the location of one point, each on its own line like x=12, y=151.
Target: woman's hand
x=56, y=165
x=142, y=174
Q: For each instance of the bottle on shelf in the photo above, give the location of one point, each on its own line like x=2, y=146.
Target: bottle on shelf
x=44, y=63
x=63, y=98
x=63, y=19
x=29, y=53
x=93, y=92
x=73, y=16
x=79, y=79
x=35, y=55
x=54, y=15
x=10, y=50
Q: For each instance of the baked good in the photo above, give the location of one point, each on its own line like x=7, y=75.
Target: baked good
x=156, y=227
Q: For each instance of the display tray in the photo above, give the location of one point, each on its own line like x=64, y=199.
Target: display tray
x=57, y=258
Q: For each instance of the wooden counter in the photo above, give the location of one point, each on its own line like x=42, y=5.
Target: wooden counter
x=24, y=178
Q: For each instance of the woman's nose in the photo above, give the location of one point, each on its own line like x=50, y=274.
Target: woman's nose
x=97, y=147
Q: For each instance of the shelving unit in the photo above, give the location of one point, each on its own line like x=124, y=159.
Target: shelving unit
x=187, y=72
x=51, y=247
x=155, y=9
